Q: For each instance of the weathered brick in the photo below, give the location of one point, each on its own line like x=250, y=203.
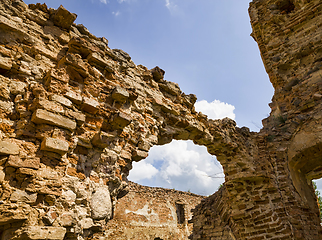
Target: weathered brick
x=8, y=148
x=41, y=116
x=90, y=105
x=63, y=18
x=138, y=155
x=78, y=116
x=17, y=162
x=50, y=106
x=121, y=120
x=120, y=94
x=54, y=145
x=74, y=97
x=97, y=59
x=5, y=63
x=62, y=100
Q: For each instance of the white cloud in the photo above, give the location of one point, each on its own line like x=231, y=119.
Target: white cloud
x=216, y=109
x=142, y=170
x=104, y=1
x=116, y=13
x=181, y=165
x=171, y=6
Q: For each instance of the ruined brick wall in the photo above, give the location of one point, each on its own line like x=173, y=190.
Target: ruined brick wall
x=75, y=114
x=280, y=204
x=151, y=213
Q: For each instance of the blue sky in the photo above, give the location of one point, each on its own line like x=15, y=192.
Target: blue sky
x=203, y=45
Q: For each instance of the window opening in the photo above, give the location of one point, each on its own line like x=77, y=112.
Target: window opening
x=179, y=165
x=180, y=213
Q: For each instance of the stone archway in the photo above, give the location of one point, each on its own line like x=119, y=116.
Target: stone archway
x=75, y=114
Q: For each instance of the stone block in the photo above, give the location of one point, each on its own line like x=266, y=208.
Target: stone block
x=22, y=196
x=76, y=63
x=41, y=232
x=78, y=116
x=50, y=106
x=17, y=162
x=138, y=155
x=27, y=171
x=62, y=100
x=56, y=74
x=144, y=145
x=101, y=205
x=42, y=50
x=54, y=145
x=126, y=155
x=171, y=88
x=121, y=120
x=5, y=63
x=120, y=94
x=84, y=141
x=74, y=97
x=8, y=148
x=96, y=59
x=157, y=73
x=41, y=116
x=63, y=18
x=90, y=105
x=47, y=173
x=102, y=139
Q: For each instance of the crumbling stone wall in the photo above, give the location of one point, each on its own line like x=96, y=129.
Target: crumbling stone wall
x=152, y=213
x=75, y=114
x=278, y=202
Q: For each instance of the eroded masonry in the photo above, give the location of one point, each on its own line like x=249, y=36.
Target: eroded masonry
x=75, y=114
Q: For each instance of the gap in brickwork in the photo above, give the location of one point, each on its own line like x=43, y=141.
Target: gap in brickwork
x=180, y=213
x=179, y=165
x=318, y=193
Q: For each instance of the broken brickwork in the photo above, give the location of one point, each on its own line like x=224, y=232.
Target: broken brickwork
x=75, y=114
x=278, y=202
x=152, y=213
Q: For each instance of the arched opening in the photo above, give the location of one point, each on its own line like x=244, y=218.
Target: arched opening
x=165, y=187
x=179, y=165
x=305, y=164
